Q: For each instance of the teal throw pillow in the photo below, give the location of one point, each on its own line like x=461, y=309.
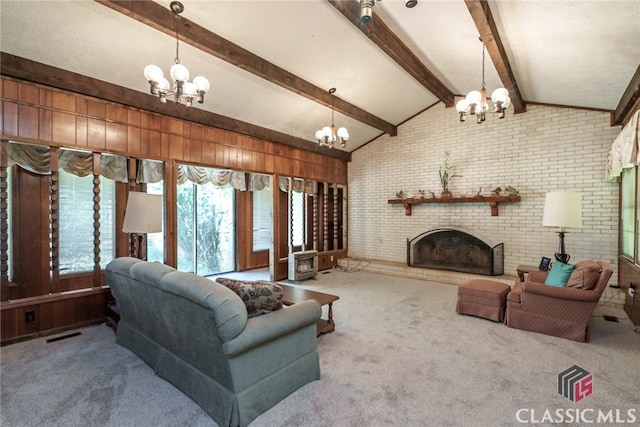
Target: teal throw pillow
x=559, y=274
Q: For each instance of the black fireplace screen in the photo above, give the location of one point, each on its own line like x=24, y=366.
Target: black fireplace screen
x=454, y=250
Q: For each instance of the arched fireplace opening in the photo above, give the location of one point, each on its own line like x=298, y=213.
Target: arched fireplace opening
x=455, y=250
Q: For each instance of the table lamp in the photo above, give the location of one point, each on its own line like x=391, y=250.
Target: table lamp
x=562, y=210
x=143, y=215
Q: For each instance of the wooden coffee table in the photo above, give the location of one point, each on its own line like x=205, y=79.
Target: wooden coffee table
x=297, y=294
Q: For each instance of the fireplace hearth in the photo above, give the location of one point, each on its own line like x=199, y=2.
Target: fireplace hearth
x=455, y=250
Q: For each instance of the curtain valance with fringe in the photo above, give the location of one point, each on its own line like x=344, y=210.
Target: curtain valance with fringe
x=150, y=171
x=36, y=159
x=624, y=152
x=298, y=185
x=239, y=180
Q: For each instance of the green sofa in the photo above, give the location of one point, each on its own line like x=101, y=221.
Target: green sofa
x=195, y=333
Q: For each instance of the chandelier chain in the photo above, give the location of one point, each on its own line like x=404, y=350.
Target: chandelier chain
x=483, y=82
x=332, y=110
x=177, y=58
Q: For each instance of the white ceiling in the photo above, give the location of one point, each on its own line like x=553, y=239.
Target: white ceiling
x=576, y=53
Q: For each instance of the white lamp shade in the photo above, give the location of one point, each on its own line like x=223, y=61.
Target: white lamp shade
x=562, y=209
x=164, y=84
x=153, y=73
x=499, y=95
x=202, y=83
x=190, y=89
x=462, y=106
x=179, y=73
x=143, y=214
x=474, y=97
x=343, y=133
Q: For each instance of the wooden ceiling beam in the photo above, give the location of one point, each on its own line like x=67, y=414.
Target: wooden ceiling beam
x=390, y=43
x=481, y=15
x=627, y=104
x=162, y=19
x=24, y=69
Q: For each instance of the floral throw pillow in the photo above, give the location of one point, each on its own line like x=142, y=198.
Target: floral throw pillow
x=259, y=297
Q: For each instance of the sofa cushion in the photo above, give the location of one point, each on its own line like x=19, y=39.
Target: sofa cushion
x=259, y=297
x=585, y=276
x=559, y=274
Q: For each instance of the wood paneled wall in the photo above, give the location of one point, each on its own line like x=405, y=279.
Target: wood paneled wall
x=43, y=115
x=629, y=273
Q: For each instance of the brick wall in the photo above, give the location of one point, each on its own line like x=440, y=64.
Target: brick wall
x=544, y=149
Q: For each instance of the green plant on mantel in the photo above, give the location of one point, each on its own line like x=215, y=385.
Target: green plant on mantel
x=447, y=173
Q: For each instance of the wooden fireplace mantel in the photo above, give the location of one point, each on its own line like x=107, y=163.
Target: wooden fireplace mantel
x=493, y=201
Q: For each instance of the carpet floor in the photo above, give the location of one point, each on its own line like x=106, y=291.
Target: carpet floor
x=400, y=355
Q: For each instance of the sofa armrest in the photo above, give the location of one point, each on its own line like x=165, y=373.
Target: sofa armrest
x=267, y=327
x=537, y=276
x=572, y=294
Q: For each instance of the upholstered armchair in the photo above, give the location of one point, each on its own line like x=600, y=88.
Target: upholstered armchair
x=559, y=311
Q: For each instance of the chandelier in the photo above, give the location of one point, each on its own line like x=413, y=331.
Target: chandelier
x=476, y=101
x=327, y=136
x=182, y=90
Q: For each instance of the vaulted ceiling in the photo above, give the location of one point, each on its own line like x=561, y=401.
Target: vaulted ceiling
x=271, y=63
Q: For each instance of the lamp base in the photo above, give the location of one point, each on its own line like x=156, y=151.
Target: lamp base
x=137, y=248
x=564, y=258
x=561, y=255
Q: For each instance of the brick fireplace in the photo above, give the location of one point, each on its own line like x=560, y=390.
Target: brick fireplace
x=455, y=250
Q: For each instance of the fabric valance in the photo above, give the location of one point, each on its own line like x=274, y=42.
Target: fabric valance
x=150, y=171
x=298, y=185
x=624, y=152
x=221, y=177
x=36, y=159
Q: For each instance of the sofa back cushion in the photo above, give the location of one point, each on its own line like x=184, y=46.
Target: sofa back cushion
x=259, y=297
x=228, y=310
x=585, y=276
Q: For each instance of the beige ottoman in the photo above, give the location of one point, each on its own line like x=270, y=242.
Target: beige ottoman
x=483, y=298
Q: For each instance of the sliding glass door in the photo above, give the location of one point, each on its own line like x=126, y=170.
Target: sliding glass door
x=206, y=228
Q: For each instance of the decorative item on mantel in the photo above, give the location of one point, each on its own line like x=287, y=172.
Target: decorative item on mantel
x=401, y=194
x=496, y=191
x=423, y=193
x=446, y=175
x=512, y=191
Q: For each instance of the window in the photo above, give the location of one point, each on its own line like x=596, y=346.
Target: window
x=206, y=228
x=297, y=218
x=261, y=220
x=628, y=213
x=9, y=227
x=76, y=239
x=155, y=241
